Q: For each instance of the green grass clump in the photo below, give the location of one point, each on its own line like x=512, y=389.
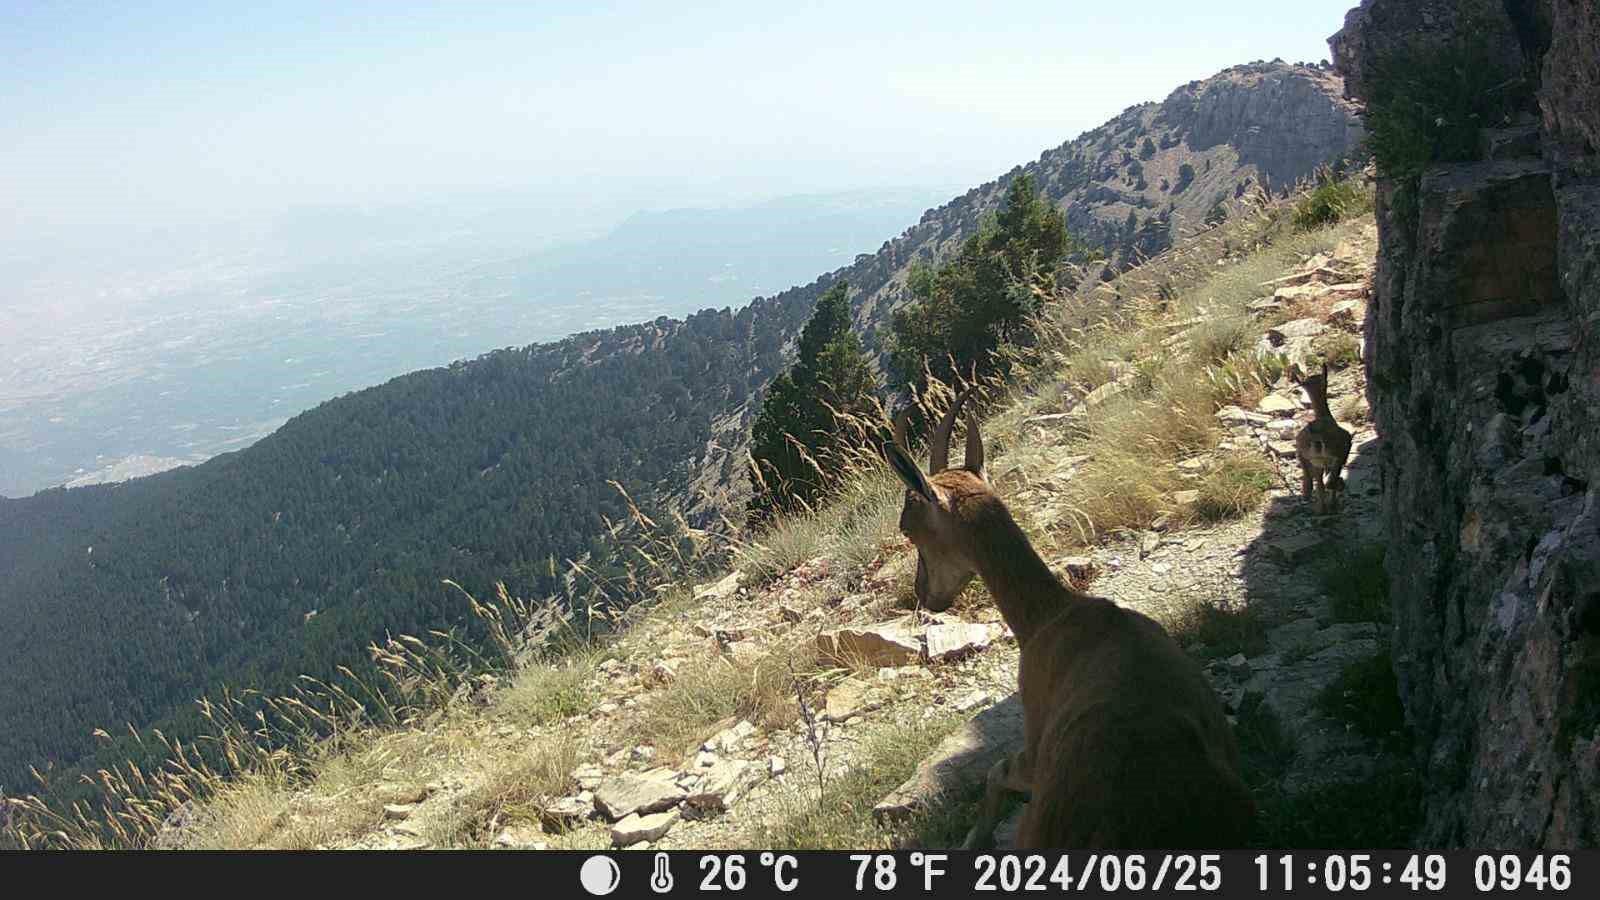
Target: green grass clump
x=851, y=531
x=547, y=693
x=1366, y=698
x=1329, y=203
x=1356, y=583
x=1338, y=349
x=1234, y=487
x=1216, y=339
x=1381, y=810
x=1429, y=109
x=759, y=687
x=1218, y=629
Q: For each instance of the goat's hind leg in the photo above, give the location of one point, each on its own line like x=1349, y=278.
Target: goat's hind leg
x=1005, y=779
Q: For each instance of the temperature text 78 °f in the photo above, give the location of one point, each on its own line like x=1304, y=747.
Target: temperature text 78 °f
x=876, y=871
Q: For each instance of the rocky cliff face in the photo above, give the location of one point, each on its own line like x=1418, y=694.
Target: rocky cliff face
x=1483, y=356
x=1132, y=185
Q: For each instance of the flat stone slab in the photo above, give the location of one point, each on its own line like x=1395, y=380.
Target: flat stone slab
x=566, y=813
x=1299, y=328
x=1277, y=405
x=946, y=643
x=1346, y=313
x=960, y=763
x=848, y=698
x=1233, y=415
x=718, y=590
x=1295, y=548
x=623, y=795
x=637, y=828
x=887, y=644
x=723, y=784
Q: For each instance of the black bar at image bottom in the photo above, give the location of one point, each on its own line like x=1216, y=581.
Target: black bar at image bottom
x=901, y=873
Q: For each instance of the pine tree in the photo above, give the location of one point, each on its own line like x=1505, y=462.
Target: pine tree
x=980, y=298
x=796, y=448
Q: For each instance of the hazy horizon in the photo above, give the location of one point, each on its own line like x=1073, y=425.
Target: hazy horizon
x=146, y=117
x=216, y=219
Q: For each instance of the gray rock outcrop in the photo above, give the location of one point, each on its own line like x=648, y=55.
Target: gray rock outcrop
x=1483, y=355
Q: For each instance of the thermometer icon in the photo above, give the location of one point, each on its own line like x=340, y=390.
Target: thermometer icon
x=661, y=878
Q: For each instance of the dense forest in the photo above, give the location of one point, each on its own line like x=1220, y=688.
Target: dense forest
x=122, y=603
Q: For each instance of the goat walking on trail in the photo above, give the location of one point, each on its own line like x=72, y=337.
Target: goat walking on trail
x=1125, y=743
x=1322, y=447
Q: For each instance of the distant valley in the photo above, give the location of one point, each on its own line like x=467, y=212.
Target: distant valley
x=154, y=363
x=119, y=603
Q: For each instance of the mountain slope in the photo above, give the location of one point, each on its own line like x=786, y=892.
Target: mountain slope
x=119, y=603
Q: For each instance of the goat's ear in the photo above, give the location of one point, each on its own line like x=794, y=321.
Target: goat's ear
x=914, y=480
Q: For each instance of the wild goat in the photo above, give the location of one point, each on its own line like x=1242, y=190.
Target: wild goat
x=1125, y=744
x=1322, y=446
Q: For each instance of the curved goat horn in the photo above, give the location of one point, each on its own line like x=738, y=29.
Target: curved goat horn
x=901, y=420
x=939, y=446
x=974, y=445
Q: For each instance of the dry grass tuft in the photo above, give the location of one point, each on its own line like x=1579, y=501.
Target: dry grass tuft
x=711, y=691
x=840, y=817
x=515, y=787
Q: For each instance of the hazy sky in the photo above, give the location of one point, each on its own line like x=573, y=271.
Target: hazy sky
x=132, y=112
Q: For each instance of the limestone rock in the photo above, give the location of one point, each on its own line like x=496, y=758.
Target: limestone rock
x=660, y=673
x=1485, y=320
x=518, y=837
x=1298, y=328
x=588, y=776
x=622, y=795
x=847, y=698
x=723, y=784
x=718, y=591
x=636, y=828
x=1295, y=549
x=1233, y=415
x=887, y=644
x=1298, y=292
x=1277, y=405
x=946, y=643
x=730, y=739
x=970, y=701
x=1347, y=313
x=562, y=814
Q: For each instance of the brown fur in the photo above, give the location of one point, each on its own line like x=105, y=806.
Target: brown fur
x=1125, y=743
x=1322, y=447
